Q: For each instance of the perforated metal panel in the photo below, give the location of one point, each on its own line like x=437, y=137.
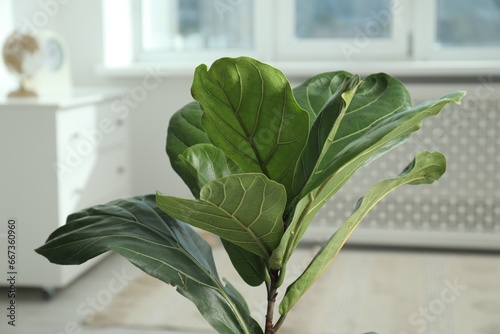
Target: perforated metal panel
x=461, y=210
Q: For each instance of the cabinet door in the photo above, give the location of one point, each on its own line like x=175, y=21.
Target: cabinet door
x=100, y=179
x=85, y=131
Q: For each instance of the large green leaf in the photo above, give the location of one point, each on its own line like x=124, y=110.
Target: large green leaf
x=208, y=163
x=250, y=113
x=161, y=246
x=245, y=209
x=425, y=169
x=313, y=94
x=385, y=134
x=185, y=130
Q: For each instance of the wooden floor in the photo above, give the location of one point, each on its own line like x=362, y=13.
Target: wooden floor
x=65, y=312
x=377, y=289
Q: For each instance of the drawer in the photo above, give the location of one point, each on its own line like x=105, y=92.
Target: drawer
x=85, y=131
x=100, y=179
x=113, y=125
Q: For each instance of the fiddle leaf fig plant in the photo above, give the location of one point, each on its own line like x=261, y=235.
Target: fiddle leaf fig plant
x=260, y=159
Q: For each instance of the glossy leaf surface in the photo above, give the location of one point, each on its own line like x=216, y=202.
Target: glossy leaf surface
x=161, y=246
x=250, y=113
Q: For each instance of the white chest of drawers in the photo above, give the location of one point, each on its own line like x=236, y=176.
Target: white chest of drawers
x=59, y=154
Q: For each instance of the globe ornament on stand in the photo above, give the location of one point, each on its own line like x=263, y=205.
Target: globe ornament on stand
x=23, y=57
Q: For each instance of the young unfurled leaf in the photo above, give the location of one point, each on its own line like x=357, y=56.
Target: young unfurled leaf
x=161, y=246
x=313, y=94
x=245, y=209
x=425, y=169
x=250, y=113
x=323, y=131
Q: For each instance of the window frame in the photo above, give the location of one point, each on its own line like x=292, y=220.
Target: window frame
x=422, y=58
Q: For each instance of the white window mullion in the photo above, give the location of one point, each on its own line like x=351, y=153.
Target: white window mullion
x=172, y=24
x=156, y=22
x=264, y=29
x=424, y=27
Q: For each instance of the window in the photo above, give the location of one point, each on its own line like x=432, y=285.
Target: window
x=337, y=19
x=341, y=30
x=193, y=25
x=468, y=23
x=185, y=29
x=307, y=30
x=457, y=30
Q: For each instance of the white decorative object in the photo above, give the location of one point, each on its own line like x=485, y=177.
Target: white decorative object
x=40, y=61
x=55, y=74
x=23, y=57
x=60, y=154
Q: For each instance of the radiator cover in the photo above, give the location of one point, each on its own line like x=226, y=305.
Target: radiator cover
x=460, y=210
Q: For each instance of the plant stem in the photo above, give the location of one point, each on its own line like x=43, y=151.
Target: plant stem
x=271, y=300
x=279, y=322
